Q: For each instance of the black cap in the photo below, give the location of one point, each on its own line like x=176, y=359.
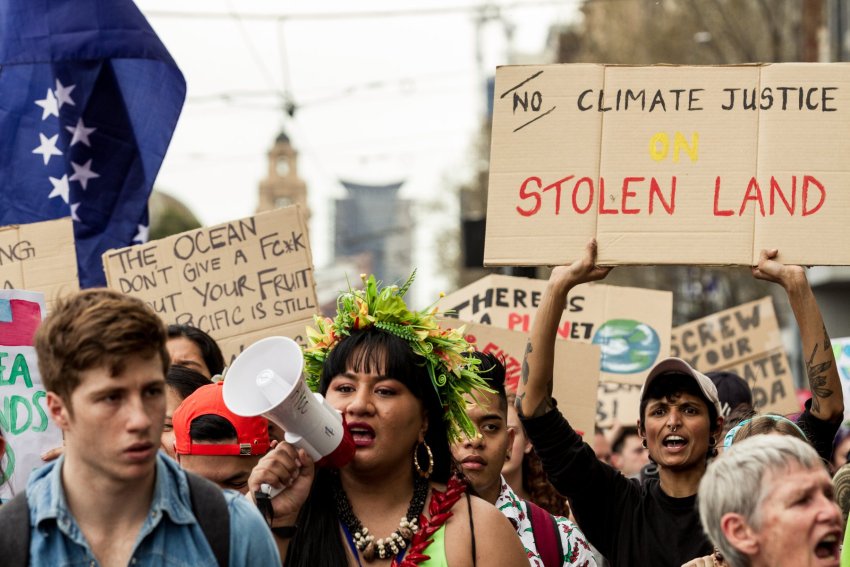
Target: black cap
x=732, y=390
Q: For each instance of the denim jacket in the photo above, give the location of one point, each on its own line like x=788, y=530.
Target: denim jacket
x=170, y=535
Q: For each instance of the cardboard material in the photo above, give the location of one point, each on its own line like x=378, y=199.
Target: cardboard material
x=670, y=165
x=27, y=429
x=618, y=403
x=39, y=257
x=576, y=375
x=238, y=281
x=631, y=325
x=744, y=340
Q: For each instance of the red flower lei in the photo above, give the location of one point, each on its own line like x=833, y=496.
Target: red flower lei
x=440, y=511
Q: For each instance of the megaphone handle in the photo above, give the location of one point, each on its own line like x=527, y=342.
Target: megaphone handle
x=269, y=490
x=298, y=441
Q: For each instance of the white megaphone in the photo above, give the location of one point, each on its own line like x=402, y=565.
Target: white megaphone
x=266, y=380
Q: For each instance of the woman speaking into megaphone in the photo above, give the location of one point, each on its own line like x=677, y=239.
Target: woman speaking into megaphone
x=398, y=380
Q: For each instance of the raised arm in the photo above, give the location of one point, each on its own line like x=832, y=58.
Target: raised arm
x=534, y=392
x=827, y=396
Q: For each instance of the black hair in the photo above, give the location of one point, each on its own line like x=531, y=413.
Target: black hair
x=184, y=380
x=210, y=351
x=620, y=440
x=317, y=542
x=671, y=384
x=492, y=370
x=211, y=428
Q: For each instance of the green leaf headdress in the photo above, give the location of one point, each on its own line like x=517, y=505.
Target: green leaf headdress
x=444, y=352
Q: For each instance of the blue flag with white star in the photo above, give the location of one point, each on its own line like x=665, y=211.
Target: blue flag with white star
x=89, y=98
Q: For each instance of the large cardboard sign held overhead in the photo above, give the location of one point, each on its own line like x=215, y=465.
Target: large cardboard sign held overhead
x=239, y=281
x=23, y=412
x=41, y=257
x=576, y=372
x=744, y=340
x=670, y=165
x=631, y=325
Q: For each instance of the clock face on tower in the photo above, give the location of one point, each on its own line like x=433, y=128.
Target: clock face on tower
x=282, y=166
x=282, y=202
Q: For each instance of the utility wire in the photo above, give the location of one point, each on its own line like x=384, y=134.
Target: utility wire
x=413, y=12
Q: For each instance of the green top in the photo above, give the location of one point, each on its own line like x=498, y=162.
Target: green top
x=437, y=550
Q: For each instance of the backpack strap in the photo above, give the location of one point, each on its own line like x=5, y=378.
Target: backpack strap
x=210, y=509
x=546, y=536
x=15, y=531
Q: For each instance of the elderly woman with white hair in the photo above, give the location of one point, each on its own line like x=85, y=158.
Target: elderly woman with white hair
x=768, y=501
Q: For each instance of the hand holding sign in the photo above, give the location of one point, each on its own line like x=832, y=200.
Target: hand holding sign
x=770, y=270
x=581, y=271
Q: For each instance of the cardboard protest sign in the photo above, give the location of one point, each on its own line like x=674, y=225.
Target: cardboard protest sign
x=618, y=403
x=841, y=349
x=576, y=375
x=239, y=281
x=670, y=165
x=631, y=325
x=40, y=257
x=23, y=412
x=744, y=340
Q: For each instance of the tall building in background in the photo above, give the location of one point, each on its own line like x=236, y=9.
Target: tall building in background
x=372, y=221
x=282, y=186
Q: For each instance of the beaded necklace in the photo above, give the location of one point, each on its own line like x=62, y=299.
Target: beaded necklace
x=397, y=541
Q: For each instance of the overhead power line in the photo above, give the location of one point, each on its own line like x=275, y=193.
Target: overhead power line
x=412, y=12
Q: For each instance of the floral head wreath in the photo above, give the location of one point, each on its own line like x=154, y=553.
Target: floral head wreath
x=443, y=352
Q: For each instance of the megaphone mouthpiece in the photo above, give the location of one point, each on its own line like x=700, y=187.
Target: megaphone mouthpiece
x=273, y=387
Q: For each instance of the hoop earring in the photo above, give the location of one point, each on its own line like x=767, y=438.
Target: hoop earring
x=712, y=442
x=424, y=473
x=643, y=442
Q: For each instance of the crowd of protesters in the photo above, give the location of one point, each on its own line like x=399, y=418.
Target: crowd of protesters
x=449, y=467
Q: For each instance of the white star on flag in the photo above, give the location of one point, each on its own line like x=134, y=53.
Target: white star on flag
x=83, y=173
x=63, y=94
x=60, y=188
x=142, y=235
x=49, y=105
x=74, y=207
x=48, y=147
x=80, y=133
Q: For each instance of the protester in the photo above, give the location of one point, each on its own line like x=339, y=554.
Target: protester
x=763, y=425
x=112, y=499
x=215, y=443
x=841, y=485
x=549, y=540
x=2, y=458
x=390, y=372
x=601, y=445
x=180, y=382
x=193, y=348
x=840, y=448
x=768, y=502
x=736, y=398
x=628, y=455
x=824, y=412
x=631, y=524
x=523, y=470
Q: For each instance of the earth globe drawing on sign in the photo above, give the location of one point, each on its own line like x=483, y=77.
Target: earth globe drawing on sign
x=628, y=346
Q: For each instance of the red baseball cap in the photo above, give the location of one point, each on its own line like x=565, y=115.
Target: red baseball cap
x=252, y=433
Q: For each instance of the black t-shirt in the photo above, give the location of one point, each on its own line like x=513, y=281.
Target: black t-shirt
x=821, y=433
x=629, y=523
